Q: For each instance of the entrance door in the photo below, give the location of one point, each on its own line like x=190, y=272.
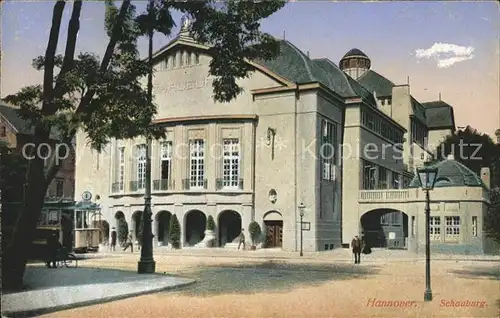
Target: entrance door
x=274, y=233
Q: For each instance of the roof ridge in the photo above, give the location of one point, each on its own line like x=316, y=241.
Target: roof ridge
x=302, y=55
x=345, y=77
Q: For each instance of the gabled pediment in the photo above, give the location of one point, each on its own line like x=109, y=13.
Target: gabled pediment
x=190, y=52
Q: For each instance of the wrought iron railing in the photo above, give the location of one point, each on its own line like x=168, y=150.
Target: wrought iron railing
x=163, y=184
x=117, y=187
x=186, y=184
x=219, y=184
x=134, y=186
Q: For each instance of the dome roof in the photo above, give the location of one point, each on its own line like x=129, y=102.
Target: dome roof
x=452, y=173
x=354, y=52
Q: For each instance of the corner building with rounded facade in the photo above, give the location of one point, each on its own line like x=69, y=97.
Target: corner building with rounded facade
x=297, y=134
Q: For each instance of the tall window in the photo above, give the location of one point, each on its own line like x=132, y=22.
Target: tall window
x=474, y=226
x=395, y=180
x=413, y=226
x=196, y=58
x=3, y=131
x=327, y=150
x=231, y=163
x=59, y=188
x=121, y=168
x=369, y=175
x=197, y=159
x=435, y=228
x=452, y=228
x=382, y=178
x=141, y=166
x=166, y=160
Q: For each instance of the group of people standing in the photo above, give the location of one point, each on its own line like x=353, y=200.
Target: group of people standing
x=359, y=245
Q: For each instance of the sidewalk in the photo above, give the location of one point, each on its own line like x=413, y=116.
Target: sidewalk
x=343, y=255
x=52, y=290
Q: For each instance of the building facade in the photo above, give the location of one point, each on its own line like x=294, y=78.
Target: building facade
x=339, y=144
x=18, y=134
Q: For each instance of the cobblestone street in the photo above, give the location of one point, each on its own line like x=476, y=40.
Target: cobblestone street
x=260, y=287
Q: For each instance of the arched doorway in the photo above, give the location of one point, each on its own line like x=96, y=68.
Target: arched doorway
x=121, y=227
x=163, y=222
x=136, y=220
x=103, y=226
x=229, y=225
x=195, y=222
x=385, y=228
x=273, y=227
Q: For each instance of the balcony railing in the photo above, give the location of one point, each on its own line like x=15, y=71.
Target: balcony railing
x=134, y=186
x=219, y=184
x=117, y=187
x=163, y=184
x=186, y=184
x=383, y=195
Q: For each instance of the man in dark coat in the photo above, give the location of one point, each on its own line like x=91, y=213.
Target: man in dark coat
x=356, y=249
x=113, y=240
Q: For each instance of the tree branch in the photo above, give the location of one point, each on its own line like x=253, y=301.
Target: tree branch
x=69, y=53
x=48, y=74
x=52, y=169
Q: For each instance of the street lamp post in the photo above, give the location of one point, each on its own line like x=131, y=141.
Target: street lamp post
x=427, y=176
x=146, y=264
x=301, y=208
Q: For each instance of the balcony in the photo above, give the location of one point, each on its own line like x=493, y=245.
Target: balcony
x=117, y=187
x=163, y=185
x=369, y=196
x=136, y=186
x=219, y=185
x=187, y=185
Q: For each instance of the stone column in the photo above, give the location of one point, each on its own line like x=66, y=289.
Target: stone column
x=154, y=226
x=179, y=212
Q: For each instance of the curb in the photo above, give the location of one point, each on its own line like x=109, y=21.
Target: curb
x=43, y=311
x=309, y=257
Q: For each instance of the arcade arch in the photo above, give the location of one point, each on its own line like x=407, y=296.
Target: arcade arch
x=386, y=228
x=229, y=226
x=195, y=222
x=163, y=222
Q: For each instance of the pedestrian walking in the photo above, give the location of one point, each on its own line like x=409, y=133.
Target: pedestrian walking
x=356, y=249
x=241, y=239
x=113, y=240
x=129, y=242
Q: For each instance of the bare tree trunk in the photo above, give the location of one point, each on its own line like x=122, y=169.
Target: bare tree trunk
x=53, y=168
x=14, y=262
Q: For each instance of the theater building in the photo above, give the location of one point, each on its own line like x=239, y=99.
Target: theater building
x=294, y=140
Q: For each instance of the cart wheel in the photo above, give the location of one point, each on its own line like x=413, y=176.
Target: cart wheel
x=72, y=261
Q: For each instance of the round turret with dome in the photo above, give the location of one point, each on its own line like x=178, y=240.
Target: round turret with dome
x=355, y=63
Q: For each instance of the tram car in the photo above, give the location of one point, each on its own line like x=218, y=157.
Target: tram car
x=77, y=225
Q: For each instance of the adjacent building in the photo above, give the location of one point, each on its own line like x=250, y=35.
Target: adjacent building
x=338, y=143
x=17, y=133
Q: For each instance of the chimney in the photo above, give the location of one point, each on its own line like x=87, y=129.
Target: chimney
x=485, y=176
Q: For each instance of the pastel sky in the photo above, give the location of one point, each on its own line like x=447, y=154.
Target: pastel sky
x=444, y=47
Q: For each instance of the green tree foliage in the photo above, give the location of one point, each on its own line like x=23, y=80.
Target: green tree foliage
x=105, y=98
x=174, y=232
x=210, y=223
x=122, y=231
x=474, y=150
x=492, y=218
x=255, y=232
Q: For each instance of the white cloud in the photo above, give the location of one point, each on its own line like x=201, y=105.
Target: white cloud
x=446, y=54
